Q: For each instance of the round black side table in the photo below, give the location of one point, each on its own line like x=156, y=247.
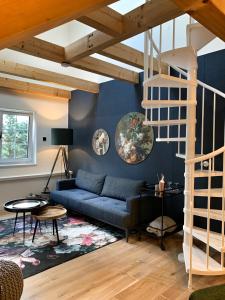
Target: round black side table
x=23, y=206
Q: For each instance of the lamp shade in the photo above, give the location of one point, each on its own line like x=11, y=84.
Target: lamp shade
x=62, y=136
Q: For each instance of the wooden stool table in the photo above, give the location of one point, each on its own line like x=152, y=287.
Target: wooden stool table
x=49, y=213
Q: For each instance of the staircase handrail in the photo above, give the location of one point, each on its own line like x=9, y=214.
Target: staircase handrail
x=206, y=156
x=208, y=87
x=153, y=42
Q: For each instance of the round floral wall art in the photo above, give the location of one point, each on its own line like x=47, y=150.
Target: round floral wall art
x=133, y=140
x=100, y=142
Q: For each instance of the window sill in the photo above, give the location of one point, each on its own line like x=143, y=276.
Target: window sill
x=30, y=176
x=23, y=164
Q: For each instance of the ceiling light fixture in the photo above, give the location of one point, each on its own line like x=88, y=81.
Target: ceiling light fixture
x=65, y=64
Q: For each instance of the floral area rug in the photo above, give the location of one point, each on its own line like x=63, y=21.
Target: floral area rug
x=78, y=236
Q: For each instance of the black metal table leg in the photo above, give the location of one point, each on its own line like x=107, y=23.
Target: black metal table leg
x=35, y=229
x=40, y=226
x=24, y=227
x=53, y=227
x=15, y=223
x=162, y=227
x=31, y=222
x=56, y=229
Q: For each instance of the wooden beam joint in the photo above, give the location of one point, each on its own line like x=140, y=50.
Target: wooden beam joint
x=138, y=20
x=52, y=52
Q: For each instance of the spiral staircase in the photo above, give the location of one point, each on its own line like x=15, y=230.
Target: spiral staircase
x=171, y=102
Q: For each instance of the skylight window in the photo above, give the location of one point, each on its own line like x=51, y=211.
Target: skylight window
x=124, y=6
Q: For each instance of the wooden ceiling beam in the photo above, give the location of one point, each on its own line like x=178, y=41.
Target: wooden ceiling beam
x=29, y=72
x=140, y=19
x=125, y=54
x=106, y=69
x=105, y=20
x=52, y=52
x=83, y=46
x=24, y=19
x=130, y=56
x=210, y=14
x=32, y=88
x=41, y=49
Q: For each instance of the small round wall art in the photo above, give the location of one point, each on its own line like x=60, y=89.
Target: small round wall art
x=100, y=142
x=134, y=141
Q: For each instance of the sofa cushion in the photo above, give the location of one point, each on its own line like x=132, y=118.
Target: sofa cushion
x=72, y=199
x=121, y=188
x=110, y=210
x=89, y=181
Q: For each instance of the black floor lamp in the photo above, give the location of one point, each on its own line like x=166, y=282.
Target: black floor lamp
x=61, y=137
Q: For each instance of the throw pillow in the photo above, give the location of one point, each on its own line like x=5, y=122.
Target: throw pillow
x=121, y=188
x=89, y=181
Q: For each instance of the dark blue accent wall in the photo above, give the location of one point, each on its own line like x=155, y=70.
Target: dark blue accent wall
x=211, y=70
x=88, y=112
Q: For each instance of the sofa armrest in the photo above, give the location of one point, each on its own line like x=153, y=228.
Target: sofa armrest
x=133, y=203
x=150, y=208
x=66, y=184
x=143, y=208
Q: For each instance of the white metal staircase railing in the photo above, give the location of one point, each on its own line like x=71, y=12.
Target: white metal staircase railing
x=216, y=96
x=170, y=102
x=199, y=261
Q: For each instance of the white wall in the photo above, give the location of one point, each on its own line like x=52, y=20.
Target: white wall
x=49, y=113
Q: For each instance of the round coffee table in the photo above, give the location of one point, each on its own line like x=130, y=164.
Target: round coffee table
x=23, y=206
x=49, y=213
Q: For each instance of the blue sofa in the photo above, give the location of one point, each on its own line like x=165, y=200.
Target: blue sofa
x=116, y=201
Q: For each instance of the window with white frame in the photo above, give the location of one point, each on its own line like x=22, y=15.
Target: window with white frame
x=17, y=137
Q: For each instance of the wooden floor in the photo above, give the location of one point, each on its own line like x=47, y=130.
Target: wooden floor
x=137, y=270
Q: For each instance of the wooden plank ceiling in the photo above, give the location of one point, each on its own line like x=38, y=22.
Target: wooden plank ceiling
x=148, y=15
x=23, y=19
x=111, y=28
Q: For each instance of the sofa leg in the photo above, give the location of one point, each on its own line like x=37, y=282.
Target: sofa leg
x=127, y=234
x=139, y=234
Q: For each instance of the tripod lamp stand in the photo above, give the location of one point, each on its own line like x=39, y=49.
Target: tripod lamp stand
x=61, y=137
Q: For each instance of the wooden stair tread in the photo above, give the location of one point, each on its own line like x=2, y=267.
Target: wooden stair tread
x=213, y=192
x=175, y=57
x=205, y=173
x=215, y=239
x=183, y=156
x=199, y=266
x=198, y=35
x=162, y=80
x=168, y=140
x=215, y=214
x=165, y=122
x=166, y=103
